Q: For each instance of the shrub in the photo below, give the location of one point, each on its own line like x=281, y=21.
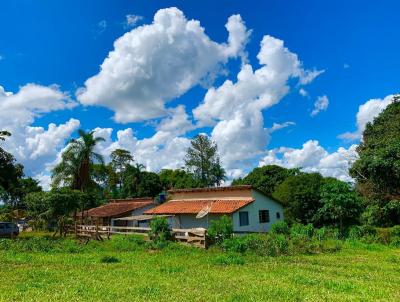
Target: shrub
x=220, y=230
x=383, y=235
x=236, y=244
x=303, y=231
x=160, y=229
x=280, y=227
x=365, y=233
x=395, y=231
x=109, y=259
x=277, y=245
x=229, y=259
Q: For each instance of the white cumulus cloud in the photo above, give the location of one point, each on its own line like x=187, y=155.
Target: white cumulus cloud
x=34, y=147
x=153, y=64
x=366, y=114
x=321, y=104
x=235, y=108
x=312, y=157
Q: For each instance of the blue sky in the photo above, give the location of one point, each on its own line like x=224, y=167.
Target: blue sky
x=355, y=42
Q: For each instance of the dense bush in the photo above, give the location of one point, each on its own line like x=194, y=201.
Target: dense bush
x=220, y=230
x=280, y=227
x=302, y=231
x=160, y=231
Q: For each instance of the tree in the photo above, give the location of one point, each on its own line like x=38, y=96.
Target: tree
x=177, y=179
x=138, y=183
x=203, y=160
x=120, y=160
x=74, y=170
x=301, y=196
x=266, y=178
x=377, y=170
x=3, y=135
x=53, y=208
x=341, y=205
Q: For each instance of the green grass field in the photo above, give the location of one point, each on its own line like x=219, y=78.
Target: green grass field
x=356, y=273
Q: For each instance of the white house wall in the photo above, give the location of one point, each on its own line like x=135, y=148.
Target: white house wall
x=261, y=202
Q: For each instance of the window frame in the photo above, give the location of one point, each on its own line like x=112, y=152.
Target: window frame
x=247, y=220
x=262, y=218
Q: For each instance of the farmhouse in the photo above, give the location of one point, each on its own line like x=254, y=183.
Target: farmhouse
x=249, y=209
x=110, y=213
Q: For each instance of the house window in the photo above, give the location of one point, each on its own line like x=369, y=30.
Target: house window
x=263, y=216
x=278, y=215
x=243, y=218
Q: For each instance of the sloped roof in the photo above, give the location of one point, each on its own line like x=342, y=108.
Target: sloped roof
x=211, y=189
x=194, y=206
x=118, y=207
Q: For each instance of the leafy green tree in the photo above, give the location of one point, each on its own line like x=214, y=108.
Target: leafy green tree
x=340, y=205
x=120, y=160
x=74, y=170
x=53, y=208
x=203, y=160
x=138, y=183
x=301, y=196
x=266, y=178
x=177, y=179
x=4, y=134
x=377, y=170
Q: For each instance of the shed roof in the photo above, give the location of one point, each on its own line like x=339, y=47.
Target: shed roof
x=194, y=206
x=118, y=207
x=212, y=189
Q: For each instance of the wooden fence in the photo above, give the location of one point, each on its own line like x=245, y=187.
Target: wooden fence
x=194, y=237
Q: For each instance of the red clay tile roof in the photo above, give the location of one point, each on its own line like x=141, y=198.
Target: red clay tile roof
x=211, y=189
x=218, y=206
x=118, y=207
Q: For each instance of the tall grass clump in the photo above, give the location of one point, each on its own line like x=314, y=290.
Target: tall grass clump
x=220, y=230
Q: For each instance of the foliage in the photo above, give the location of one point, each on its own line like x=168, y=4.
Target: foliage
x=377, y=170
x=10, y=175
x=138, y=183
x=74, y=170
x=55, y=206
x=160, y=230
x=109, y=259
x=178, y=179
x=120, y=160
x=229, y=259
x=301, y=196
x=266, y=178
x=4, y=134
x=280, y=227
x=203, y=160
x=220, y=229
x=340, y=205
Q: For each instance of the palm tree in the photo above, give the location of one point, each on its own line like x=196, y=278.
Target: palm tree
x=77, y=159
x=3, y=135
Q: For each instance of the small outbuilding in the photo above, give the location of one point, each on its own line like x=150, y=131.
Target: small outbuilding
x=249, y=209
x=110, y=213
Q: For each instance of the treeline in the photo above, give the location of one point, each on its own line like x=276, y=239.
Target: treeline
x=84, y=180
x=374, y=198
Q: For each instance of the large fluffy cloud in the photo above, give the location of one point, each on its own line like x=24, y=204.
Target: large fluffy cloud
x=155, y=63
x=312, y=157
x=236, y=108
x=366, y=113
x=34, y=147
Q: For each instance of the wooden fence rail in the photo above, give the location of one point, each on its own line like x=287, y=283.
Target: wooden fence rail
x=195, y=237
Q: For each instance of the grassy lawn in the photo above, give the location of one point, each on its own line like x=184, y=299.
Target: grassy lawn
x=357, y=273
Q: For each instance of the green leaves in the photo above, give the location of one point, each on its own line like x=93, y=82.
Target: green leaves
x=203, y=160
